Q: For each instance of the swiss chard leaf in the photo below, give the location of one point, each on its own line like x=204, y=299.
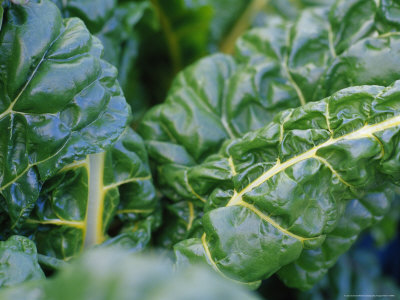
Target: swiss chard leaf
x=276, y=67
x=116, y=25
x=183, y=220
x=78, y=205
x=359, y=214
x=51, y=112
x=221, y=97
x=282, y=189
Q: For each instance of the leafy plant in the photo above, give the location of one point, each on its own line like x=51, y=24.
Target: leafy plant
x=116, y=24
x=278, y=66
x=80, y=203
x=51, y=126
x=269, y=162
x=261, y=192
x=52, y=114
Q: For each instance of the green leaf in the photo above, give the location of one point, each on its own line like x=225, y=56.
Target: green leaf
x=19, y=261
x=359, y=214
x=115, y=274
x=51, y=112
x=183, y=221
x=95, y=13
x=221, y=97
x=282, y=189
x=78, y=205
x=290, y=9
x=116, y=25
x=226, y=15
x=276, y=67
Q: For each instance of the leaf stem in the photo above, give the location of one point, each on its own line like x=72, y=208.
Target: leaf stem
x=94, y=216
x=228, y=44
x=170, y=36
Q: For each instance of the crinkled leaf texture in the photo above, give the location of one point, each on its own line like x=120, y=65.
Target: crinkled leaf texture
x=19, y=262
x=294, y=195
x=78, y=205
x=115, y=24
x=279, y=66
x=59, y=101
x=115, y=274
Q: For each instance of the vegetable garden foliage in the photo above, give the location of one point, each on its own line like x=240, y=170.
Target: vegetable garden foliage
x=116, y=24
x=78, y=205
x=62, y=140
x=149, y=41
x=19, y=261
x=84, y=112
x=262, y=196
x=276, y=67
x=256, y=174
x=280, y=65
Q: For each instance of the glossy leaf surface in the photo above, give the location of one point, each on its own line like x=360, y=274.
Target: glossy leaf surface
x=282, y=189
x=115, y=24
x=359, y=214
x=58, y=101
x=78, y=205
x=276, y=67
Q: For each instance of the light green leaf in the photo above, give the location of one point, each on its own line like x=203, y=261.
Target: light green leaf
x=19, y=261
x=115, y=274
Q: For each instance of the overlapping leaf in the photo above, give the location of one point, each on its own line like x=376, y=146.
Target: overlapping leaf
x=279, y=66
x=182, y=221
x=58, y=101
x=282, y=189
x=115, y=24
x=359, y=214
x=78, y=205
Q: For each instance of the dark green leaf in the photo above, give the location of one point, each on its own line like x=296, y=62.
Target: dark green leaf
x=116, y=27
x=51, y=111
x=282, y=189
x=359, y=214
x=78, y=205
x=276, y=67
